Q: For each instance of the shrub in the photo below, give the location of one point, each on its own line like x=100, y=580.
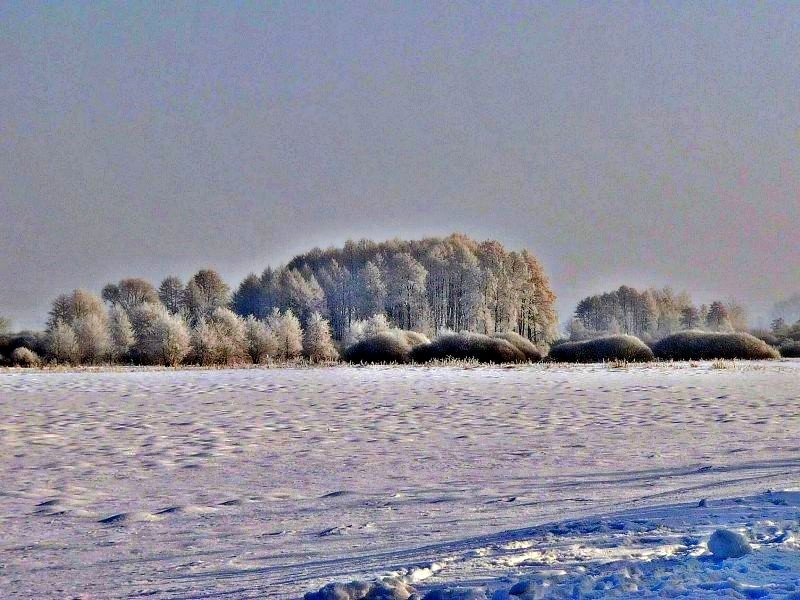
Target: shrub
x=524, y=345
x=790, y=349
x=704, y=345
x=609, y=348
x=385, y=347
x=468, y=346
x=317, y=341
x=25, y=357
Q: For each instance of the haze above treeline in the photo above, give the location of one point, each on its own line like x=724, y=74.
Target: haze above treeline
x=646, y=145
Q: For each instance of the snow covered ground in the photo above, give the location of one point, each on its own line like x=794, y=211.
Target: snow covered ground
x=544, y=481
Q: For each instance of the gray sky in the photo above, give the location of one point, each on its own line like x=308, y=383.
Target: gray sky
x=635, y=143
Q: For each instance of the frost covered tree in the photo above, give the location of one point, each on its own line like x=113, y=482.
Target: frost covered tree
x=61, y=343
x=288, y=332
x=317, y=340
x=205, y=292
x=130, y=292
x=717, y=318
x=94, y=341
x=230, y=335
x=120, y=331
x=5, y=324
x=172, y=294
x=406, y=291
x=248, y=299
x=161, y=338
x=429, y=284
x=204, y=343
x=261, y=341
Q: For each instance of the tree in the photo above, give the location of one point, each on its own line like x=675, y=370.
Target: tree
x=161, y=338
x=371, y=291
x=231, y=336
x=120, y=331
x=172, y=294
x=248, y=299
x=317, y=341
x=690, y=317
x=737, y=315
x=717, y=317
x=261, y=341
x=5, y=324
x=62, y=345
x=205, y=292
x=287, y=331
x=406, y=291
x=94, y=342
x=130, y=292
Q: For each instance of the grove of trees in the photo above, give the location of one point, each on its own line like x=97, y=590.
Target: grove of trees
x=311, y=307
x=652, y=314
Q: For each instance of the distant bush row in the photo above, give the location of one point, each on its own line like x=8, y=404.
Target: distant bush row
x=227, y=339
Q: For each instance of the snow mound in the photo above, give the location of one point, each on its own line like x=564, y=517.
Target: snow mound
x=456, y=594
x=724, y=543
x=383, y=589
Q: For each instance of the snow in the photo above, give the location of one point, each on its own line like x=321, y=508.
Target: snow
x=546, y=481
x=724, y=543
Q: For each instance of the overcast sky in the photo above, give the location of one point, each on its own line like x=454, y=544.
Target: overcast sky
x=642, y=143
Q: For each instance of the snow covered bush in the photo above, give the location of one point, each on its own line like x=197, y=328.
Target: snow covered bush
x=705, y=345
x=468, y=346
x=609, y=348
x=524, y=345
x=385, y=347
x=25, y=357
x=261, y=341
x=317, y=341
x=61, y=343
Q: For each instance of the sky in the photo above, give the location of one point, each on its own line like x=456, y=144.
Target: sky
x=639, y=143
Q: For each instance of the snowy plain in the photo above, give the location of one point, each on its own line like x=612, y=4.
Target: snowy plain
x=547, y=481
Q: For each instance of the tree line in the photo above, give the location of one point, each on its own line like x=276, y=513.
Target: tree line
x=313, y=306
x=652, y=314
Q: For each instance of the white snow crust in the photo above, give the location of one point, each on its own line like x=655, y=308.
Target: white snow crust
x=451, y=483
